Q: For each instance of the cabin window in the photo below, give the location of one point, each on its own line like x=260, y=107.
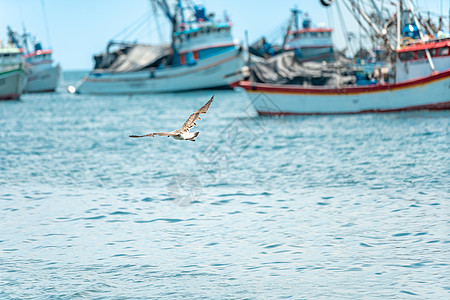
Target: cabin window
x=443, y=51
x=421, y=54
x=406, y=56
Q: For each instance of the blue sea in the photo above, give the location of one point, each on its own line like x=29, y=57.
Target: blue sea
x=313, y=207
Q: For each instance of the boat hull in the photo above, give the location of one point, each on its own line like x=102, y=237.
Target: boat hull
x=207, y=73
x=430, y=92
x=43, y=79
x=12, y=84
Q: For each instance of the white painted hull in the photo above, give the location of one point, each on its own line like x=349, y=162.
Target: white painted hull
x=12, y=83
x=420, y=67
x=207, y=73
x=43, y=79
x=431, y=92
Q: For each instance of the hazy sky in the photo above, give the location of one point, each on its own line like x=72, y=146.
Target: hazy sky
x=80, y=28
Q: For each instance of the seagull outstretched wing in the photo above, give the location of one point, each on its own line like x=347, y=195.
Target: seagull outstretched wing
x=155, y=133
x=190, y=123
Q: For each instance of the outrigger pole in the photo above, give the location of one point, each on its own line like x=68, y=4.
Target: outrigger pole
x=430, y=61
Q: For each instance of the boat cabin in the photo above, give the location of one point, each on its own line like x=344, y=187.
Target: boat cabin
x=38, y=56
x=10, y=56
x=413, y=61
x=312, y=33
x=417, y=52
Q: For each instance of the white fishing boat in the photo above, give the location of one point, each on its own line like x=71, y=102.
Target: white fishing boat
x=12, y=73
x=201, y=54
x=309, y=42
x=421, y=81
x=43, y=73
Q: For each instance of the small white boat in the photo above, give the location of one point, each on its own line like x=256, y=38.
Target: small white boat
x=13, y=76
x=202, y=53
x=43, y=73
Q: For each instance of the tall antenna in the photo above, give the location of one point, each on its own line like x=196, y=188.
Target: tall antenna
x=47, y=31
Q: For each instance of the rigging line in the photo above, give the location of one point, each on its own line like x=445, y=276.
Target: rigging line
x=344, y=28
x=157, y=25
x=137, y=28
x=356, y=16
x=135, y=23
x=360, y=37
x=331, y=24
x=47, y=31
x=149, y=32
x=274, y=33
x=143, y=31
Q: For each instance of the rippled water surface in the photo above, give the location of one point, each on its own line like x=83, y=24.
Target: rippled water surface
x=297, y=207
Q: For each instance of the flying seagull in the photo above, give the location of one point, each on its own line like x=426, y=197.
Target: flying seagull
x=183, y=133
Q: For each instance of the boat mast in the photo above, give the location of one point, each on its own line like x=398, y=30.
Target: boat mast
x=172, y=17
x=293, y=21
x=181, y=9
x=25, y=37
x=369, y=34
x=380, y=16
x=13, y=39
x=430, y=61
x=378, y=32
x=399, y=22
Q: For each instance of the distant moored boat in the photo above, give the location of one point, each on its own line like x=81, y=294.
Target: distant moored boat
x=12, y=74
x=421, y=80
x=202, y=52
x=43, y=73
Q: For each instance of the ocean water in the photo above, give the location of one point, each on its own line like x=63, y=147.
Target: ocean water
x=257, y=208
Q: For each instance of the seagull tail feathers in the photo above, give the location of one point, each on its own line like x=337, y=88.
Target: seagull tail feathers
x=194, y=136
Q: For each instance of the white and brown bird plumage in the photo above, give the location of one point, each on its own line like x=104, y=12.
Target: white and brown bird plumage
x=184, y=132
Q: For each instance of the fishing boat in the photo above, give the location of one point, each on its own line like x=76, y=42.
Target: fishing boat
x=421, y=79
x=309, y=42
x=43, y=73
x=202, y=52
x=13, y=76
